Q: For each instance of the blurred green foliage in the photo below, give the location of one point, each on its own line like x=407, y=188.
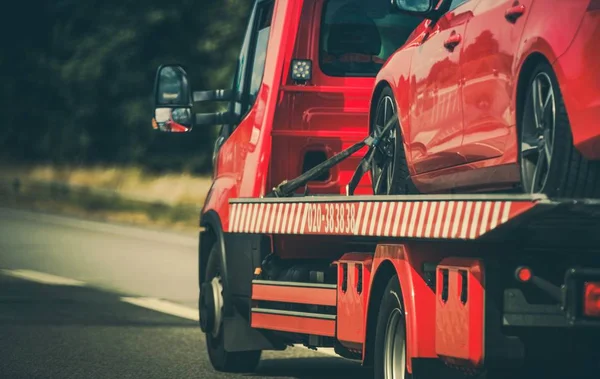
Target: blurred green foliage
x=77, y=78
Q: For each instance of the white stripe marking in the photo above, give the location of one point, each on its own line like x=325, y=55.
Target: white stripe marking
x=238, y=216
x=422, y=218
x=253, y=220
x=365, y=222
x=439, y=220
x=381, y=218
x=448, y=219
x=266, y=220
x=413, y=219
x=163, y=307
x=246, y=225
x=431, y=219
x=506, y=212
x=486, y=217
x=390, y=216
x=456, y=222
x=279, y=212
x=274, y=214
x=281, y=227
x=406, y=211
x=40, y=277
x=495, y=214
x=358, y=217
x=465, y=220
x=259, y=219
x=373, y=219
x=303, y=223
x=232, y=213
x=474, y=223
x=298, y=217
x=291, y=219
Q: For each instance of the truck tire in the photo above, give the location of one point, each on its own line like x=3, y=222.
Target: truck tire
x=390, y=335
x=389, y=168
x=546, y=144
x=220, y=359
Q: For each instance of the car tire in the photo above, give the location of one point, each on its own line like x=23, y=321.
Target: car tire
x=220, y=359
x=390, y=168
x=568, y=173
x=390, y=335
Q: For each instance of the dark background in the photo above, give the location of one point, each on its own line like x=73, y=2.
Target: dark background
x=77, y=78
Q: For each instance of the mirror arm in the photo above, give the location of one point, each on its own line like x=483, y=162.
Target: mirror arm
x=216, y=95
x=218, y=118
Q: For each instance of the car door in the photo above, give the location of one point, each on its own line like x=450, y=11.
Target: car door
x=436, y=128
x=238, y=139
x=486, y=62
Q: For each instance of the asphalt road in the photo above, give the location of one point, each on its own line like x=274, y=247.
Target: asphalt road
x=81, y=299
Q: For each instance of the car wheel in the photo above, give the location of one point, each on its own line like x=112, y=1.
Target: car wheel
x=211, y=311
x=389, y=171
x=390, y=335
x=549, y=162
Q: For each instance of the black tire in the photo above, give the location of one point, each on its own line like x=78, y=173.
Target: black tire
x=569, y=174
x=390, y=311
x=220, y=359
x=397, y=179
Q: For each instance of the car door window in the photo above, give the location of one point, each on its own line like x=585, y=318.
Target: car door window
x=456, y=3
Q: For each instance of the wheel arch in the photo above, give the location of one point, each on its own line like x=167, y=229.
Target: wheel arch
x=385, y=271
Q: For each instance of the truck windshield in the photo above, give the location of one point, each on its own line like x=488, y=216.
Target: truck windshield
x=358, y=36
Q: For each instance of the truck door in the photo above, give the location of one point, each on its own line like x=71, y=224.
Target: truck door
x=237, y=140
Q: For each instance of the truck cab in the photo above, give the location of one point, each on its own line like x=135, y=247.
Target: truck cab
x=300, y=94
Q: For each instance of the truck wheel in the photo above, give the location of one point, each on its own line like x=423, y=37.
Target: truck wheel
x=390, y=335
x=549, y=162
x=389, y=172
x=211, y=319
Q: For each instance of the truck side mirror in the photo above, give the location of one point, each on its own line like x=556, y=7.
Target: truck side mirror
x=173, y=102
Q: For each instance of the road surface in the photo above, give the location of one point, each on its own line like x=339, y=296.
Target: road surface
x=81, y=299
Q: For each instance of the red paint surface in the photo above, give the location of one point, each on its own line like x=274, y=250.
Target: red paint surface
x=459, y=327
x=352, y=305
x=293, y=324
x=457, y=107
x=297, y=295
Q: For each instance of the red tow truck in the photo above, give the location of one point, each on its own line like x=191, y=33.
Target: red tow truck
x=419, y=286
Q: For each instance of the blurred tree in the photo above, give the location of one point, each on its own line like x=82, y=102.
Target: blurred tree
x=77, y=77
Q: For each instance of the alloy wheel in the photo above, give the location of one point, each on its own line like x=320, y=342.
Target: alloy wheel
x=537, y=135
x=382, y=171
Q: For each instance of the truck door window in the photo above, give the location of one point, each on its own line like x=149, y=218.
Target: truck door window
x=260, y=51
x=251, y=63
x=358, y=36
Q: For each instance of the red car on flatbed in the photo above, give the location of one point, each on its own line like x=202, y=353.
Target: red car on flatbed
x=413, y=285
x=495, y=95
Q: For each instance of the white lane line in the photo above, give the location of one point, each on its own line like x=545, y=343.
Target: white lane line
x=163, y=306
x=44, y=278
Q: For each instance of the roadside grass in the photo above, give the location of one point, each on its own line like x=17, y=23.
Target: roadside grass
x=124, y=195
